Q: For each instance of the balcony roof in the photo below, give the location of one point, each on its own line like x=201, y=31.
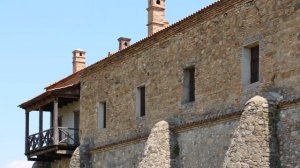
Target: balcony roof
x=69, y=92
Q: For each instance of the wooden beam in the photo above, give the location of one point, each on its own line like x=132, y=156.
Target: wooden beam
x=40, y=103
x=55, y=121
x=44, y=159
x=26, y=131
x=42, y=152
x=65, y=152
x=70, y=96
x=40, y=127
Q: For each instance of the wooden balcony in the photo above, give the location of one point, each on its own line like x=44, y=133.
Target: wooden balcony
x=57, y=142
x=42, y=147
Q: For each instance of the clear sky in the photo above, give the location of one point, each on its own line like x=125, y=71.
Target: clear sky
x=36, y=43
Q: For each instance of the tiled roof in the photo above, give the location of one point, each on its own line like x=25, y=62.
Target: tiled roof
x=216, y=8
x=203, y=14
x=45, y=95
x=69, y=80
x=75, y=78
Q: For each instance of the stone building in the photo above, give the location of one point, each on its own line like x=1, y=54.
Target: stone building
x=219, y=88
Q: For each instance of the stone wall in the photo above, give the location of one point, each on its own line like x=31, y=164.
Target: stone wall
x=123, y=156
x=200, y=146
x=80, y=158
x=289, y=136
x=212, y=41
x=63, y=163
x=205, y=146
x=246, y=141
x=41, y=165
x=252, y=143
x=159, y=147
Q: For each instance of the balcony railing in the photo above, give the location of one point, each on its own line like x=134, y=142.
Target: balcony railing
x=42, y=140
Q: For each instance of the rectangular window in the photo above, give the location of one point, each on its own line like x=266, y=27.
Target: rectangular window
x=250, y=64
x=141, y=101
x=101, y=112
x=254, y=64
x=189, y=85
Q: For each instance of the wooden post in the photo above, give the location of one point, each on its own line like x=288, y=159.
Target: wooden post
x=55, y=121
x=40, y=128
x=26, y=131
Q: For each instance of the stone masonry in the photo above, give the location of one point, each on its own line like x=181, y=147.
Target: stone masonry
x=230, y=124
x=41, y=165
x=250, y=146
x=80, y=158
x=121, y=156
x=289, y=136
x=158, y=149
x=63, y=163
x=212, y=41
x=205, y=146
x=75, y=159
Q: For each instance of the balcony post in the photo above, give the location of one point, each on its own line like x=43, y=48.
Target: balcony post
x=26, y=131
x=40, y=128
x=55, y=121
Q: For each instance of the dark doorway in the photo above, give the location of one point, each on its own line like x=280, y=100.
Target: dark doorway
x=76, y=126
x=60, y=125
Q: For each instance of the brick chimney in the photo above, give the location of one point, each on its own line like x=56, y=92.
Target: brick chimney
x=124, y=42
x=156, y=16
x=78, y=60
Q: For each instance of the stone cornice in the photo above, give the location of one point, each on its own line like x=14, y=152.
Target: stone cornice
x=208, y=120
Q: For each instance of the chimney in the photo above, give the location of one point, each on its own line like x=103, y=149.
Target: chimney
x=78, y=60
x=124, y=42
x=156, y=16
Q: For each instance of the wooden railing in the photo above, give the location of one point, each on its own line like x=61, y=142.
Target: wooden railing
x=67, y=136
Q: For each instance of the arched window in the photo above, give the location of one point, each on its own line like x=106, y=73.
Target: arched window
x=158, y=2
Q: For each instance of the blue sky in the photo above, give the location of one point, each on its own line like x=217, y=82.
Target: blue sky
x=36, y=43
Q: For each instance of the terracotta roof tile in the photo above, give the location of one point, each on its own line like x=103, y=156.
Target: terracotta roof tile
x=69, y=80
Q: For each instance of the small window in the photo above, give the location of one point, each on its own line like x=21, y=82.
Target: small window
x=101, y=112
x=80, y=54
x=158, y=2
x=250, y=64
x=254, y=64
x=189, y=85
x=141, y=101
